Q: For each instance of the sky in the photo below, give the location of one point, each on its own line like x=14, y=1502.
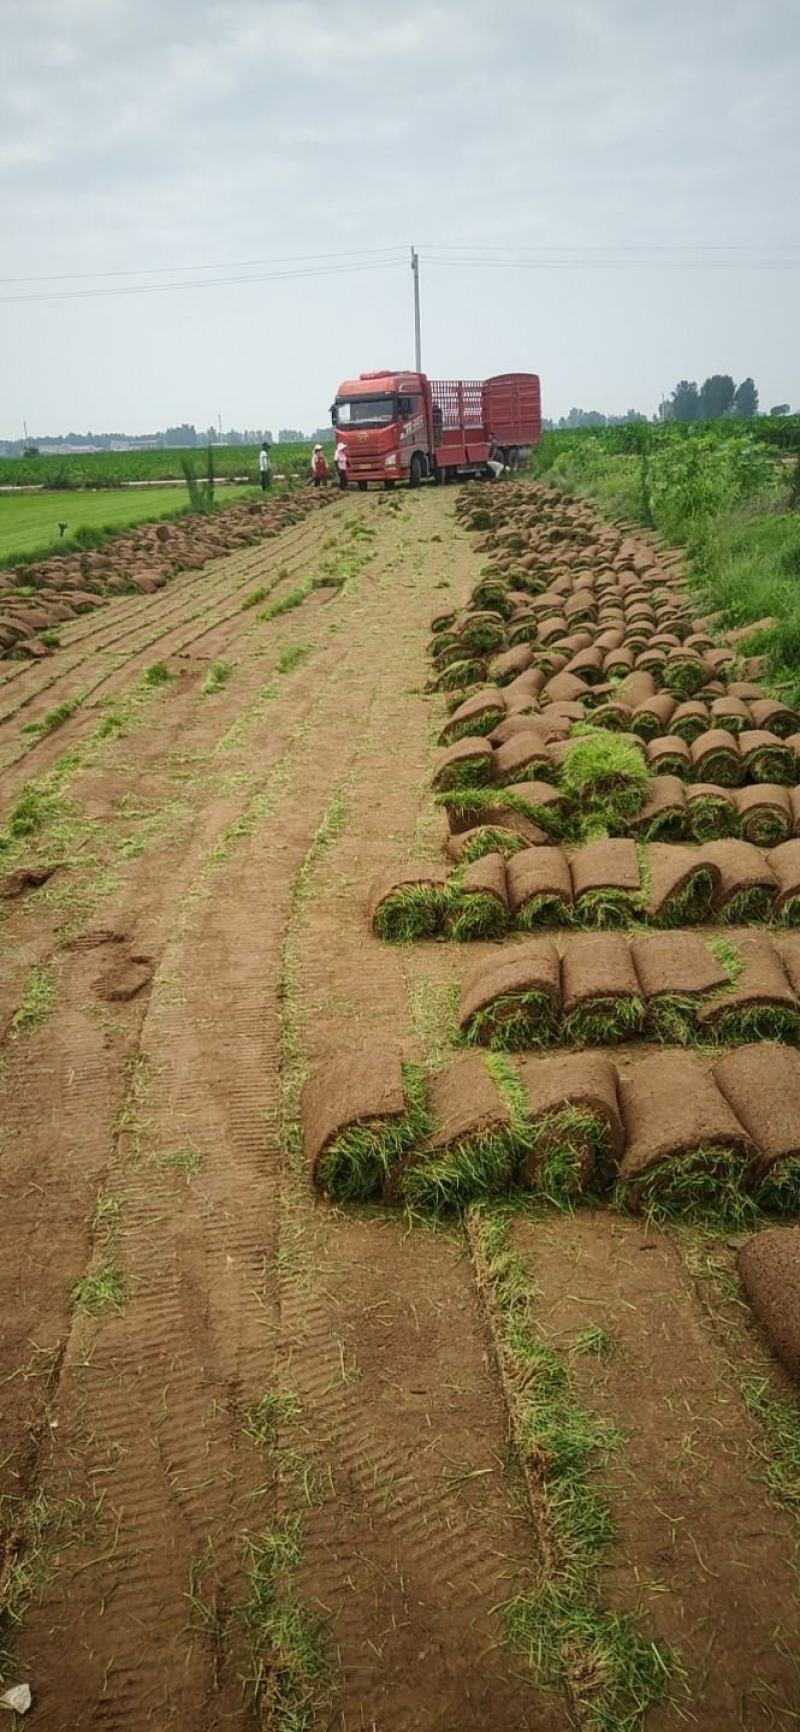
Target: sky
x=206, y=206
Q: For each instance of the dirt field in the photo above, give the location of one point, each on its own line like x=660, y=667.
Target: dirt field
x=262, y=1458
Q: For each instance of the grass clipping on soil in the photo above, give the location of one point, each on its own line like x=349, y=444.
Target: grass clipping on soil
x=611, y=1671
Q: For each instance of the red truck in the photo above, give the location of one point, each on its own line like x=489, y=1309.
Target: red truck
x=400, y=426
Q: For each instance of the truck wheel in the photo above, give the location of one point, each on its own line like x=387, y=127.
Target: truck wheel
x=415, y=472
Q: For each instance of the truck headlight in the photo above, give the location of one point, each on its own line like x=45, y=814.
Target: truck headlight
x=390, y=462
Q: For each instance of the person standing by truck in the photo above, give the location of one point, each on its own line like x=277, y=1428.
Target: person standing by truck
x=264, y=467
x=319, y=467
x=340, y=460
x=494, y=460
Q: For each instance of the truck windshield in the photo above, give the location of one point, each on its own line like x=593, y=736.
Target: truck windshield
x=365, y=411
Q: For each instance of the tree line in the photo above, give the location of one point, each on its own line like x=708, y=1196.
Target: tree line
x=718, y=398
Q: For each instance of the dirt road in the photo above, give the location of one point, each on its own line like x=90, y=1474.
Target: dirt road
x=254, y=1450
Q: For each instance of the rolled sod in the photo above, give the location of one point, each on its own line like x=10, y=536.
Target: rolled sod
x=668, y=755
x=676, y=971
x=587, y=664
x=409, y=903
x=776, y=717
x=575, y=1129
x=784, y=862
x=564, y=688
x=759, y=1003
x=730, y=713
x=539, y=801
x=361, y=1112
x=685, y=673
x=761, y=1083
x=483, y=631
x=513, y=1000
x=539, y=888
x=612, y=715
x=638, y=688
x=712, y=812
x=716, y=758
x=747, y=885
x=476, y=1141
x=765, y=814
x=769, y=1270
x=506, y=667
x=682, y=885
x=466, y=764
x=524, y=689
x=479, y=715
x=458, y=674
x=652, y=718
x=490, y=839
x=766, y=758
x=523, y=758
x=601, y=999
x=606, y=883
x=519, y=722
x=605, y=775
x=689, y=720
x=685, y=1150
x=477, y=905
x=664, y=814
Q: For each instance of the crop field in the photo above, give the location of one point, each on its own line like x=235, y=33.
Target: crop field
x=30, y=521
x=400, y=1129
x=121, y=468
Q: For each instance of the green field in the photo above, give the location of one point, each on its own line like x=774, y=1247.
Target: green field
x=29, y=521
x=115, y=468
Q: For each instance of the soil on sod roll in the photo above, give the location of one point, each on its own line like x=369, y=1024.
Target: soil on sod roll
x=356, y=1120
x=784, y=862
x=685, y=1150
x=682, y=884
x=505, y=668
x=574, y=1124
x=769, y=1270
x=513, y=1001
x=477, y=904
x=711, y=811
x=473, y=1146
x=759, y=1003
x=479, y=715
x=652, y=718
x=601, y=999
x=523, y=758
x=409, y=904
x=466, y=764
x=776, y=717
x=539, y=888
x=766, y=758
x=689, y=720
x=606, y=882
x=747, y=883
x=668, y=755
x=715, y=757
x=676, y=972
x=765, y=814
x=494, y=839
x=761, y=1083
x=664, y=814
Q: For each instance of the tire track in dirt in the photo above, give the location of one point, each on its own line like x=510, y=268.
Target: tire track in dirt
x=209, y=592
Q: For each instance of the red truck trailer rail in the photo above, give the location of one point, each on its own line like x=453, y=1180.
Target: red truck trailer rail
x=401, y=426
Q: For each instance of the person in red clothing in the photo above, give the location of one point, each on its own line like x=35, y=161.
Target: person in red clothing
x=319, y=467
x=340, y=459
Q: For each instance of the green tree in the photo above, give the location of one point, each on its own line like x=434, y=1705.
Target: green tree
x=781, y=409
x=745, y=400
x=686, y=401
x=716, y=396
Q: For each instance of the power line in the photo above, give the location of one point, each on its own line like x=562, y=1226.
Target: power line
x=207, y=283
x=234, y=265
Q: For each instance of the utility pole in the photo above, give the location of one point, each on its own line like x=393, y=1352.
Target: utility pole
x=417, y=341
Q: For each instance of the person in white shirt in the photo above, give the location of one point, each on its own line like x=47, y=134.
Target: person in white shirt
x=340, y=460
x=264, y=467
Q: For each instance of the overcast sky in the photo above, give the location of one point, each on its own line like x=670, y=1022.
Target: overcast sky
x=252, y=136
